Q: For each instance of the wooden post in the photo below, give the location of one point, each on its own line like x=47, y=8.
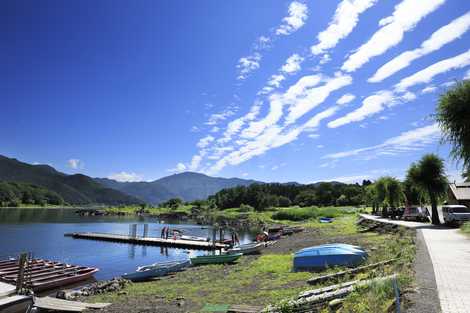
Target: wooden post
x=21, y=264
x=146, y=230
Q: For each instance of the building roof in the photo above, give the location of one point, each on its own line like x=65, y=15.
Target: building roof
x=461, y=191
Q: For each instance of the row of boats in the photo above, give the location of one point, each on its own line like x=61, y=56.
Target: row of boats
x=165, y=268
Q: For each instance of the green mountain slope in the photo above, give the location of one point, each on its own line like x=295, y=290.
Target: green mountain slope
x=187, y=186
x=74, y=189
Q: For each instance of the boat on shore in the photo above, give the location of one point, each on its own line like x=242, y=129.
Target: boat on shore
x=329, y=255
x=326, y=219
x=249, y=248
x=156, y=270
x=44, y=274
x=215, y=259
x=16, y=304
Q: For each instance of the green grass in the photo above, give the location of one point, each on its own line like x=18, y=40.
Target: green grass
x=465, y=228
x=301, y=214
x=131, y=210
x=268, y=279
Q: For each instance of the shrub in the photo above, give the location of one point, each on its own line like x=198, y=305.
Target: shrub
x=246, y=208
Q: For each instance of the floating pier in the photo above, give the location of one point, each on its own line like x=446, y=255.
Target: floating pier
x=150, y=241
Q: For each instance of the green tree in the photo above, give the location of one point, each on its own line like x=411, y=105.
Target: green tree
x=453, y=116
x=370, y=198
x=429, y=176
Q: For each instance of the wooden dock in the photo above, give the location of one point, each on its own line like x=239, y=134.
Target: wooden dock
x=150, y=241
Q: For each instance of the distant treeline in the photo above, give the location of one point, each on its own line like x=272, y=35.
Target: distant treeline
x=262, y=196
x=13, y=194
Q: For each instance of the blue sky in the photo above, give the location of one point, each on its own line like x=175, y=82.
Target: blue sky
x=270, y=90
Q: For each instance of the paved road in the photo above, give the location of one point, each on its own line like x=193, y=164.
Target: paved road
x=450, y=255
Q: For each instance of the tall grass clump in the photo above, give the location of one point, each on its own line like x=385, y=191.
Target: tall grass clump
x=465, y=228
x=306, y=213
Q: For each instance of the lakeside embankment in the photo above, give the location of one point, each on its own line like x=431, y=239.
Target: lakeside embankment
x=268, y=278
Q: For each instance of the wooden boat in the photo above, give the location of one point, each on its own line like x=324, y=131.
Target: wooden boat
x=329, y=255
x=215, y=259
x=193, y=238
x=274, y=236
x=16, y=304
x=294, y=229
x=250, y=248
x=156, y=270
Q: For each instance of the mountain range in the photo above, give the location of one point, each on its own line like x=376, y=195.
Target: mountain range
x=82, y=189
x=188, y=186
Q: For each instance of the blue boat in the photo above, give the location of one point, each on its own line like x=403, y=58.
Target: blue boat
x=156, y=270
x=326, y=219
x=329, y=255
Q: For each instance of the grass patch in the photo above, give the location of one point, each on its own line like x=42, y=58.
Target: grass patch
x=465, y=228
x=268, y=279
x=306, y=213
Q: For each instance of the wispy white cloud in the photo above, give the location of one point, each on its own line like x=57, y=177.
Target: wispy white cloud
x=248, y=64
x=345, y=19
x=429, y=89
x=126, y=177
x=371, y=105
x=75, y=164
x=346, y=98
x=438, y=39
x=307, y=99
x=292, y=64
x=426, y=75
x=406, y=15
x=215, y=118
x=204, y=142
x=413, y=140
x=180, y=167
x=298, y=14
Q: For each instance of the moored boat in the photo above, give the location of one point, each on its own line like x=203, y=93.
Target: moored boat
x=326, y=219
x=329, y=255
x=193, y=238
x=16, y=304
x=215, y=259
x=156, y=270
x=250, y=248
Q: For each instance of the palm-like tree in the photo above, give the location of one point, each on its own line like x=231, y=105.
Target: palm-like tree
x=429, y=176
x=453, y=116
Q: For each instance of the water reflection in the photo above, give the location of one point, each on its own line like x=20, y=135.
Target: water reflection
x=41, y=232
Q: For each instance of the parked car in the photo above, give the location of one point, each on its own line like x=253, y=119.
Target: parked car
x=415, y=213
x=395, y=213
x=455, y=214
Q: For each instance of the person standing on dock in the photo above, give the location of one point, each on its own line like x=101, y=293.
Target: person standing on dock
x=162, y=235
x=167, y=232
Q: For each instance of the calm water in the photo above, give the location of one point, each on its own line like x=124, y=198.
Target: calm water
x=41, y=231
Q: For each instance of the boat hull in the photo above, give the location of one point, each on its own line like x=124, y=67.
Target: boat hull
x=254, y=248
x=328, y=255
x=159, y=270
x=215, y=259
x=15, y=304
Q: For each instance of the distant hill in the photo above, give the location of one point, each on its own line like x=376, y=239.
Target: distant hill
x=74, y=189
x=188, y=186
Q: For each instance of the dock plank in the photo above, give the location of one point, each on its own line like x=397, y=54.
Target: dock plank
x=154, y=241
x=50, y=303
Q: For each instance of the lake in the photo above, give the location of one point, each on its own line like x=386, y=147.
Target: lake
x=41, y=232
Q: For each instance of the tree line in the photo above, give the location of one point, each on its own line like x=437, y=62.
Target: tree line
x=14, y=194
x=263, y=196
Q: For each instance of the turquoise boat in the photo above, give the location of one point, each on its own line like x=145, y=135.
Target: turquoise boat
x=329, y=255
x=215, y=259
